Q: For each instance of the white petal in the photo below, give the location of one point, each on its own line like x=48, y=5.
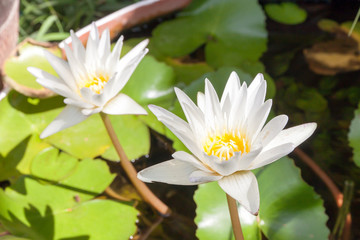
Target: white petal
x=246, y=159
x=51, y=82
x=253, y=91
x=77, y=68
x=104, y=46
x=271, y=155
x=123, y=104
x=171, y=172
x=78, y=47
x=62, y=69
x=223, y=168
x=271, y=130
x=232, y=87
x=193, y=114
x=93, y=97
x=179, y=127
x=213, y=113
x=90, y=111
x=255, y=84
x=295, y=135
x=68, y=117
x=259, y=98
x=238, y=108
x=243, y=187
x=125, y=69
x=91, y=54
x=204, y=177
x=257, y=119
x=56, y=87
x=187, y=157
x=114, y=57
x=77, y=103
x=201, y=101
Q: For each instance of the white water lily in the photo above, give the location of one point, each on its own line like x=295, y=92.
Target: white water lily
x=227, y=139
x=91, y=79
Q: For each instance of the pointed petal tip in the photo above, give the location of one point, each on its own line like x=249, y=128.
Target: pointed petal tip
x=142, y=178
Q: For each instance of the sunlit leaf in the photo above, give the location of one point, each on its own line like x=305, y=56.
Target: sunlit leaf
x=133, y=135
x=354, y=136
x=151, y=82
x=286, y=13
x=29, y=55
x=52, y=165
x=55, y=213
x=289, y=208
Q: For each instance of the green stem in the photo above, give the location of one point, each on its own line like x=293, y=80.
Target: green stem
x=141, y=187
x=234, y=215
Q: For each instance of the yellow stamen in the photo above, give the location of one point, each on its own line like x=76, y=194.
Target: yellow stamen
x=225, y=145
x=96, y=82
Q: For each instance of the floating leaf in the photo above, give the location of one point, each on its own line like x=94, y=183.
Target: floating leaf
x=286, y=13
x=52, y=165
x=45, y=212
x=89, y=134
x=151, y=82
x=189, y=72
x=289, y=208
x=30, y=54
x=354, y=136
x=133, y=135
x=231, y=30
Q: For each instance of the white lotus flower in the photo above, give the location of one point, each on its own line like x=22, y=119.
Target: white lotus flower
x=91, y=79
x=227, y=139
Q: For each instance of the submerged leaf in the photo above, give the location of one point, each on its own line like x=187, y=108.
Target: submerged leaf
x=354, y=136
x=286, y=13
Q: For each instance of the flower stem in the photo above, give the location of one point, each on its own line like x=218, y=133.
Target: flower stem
x=234, y=215
x=143, y=190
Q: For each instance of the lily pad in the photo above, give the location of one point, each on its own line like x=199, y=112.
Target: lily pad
x=43, y=212
x=289, y=208
x=151, y=82
x=231, y=30
x=286, y=13
x=354, y=136
x=186, y=73
x=52, y=165
x=133, y=134
x=29, y=54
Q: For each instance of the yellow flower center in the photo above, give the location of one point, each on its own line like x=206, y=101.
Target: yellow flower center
x=96, y=82
x=224, y=146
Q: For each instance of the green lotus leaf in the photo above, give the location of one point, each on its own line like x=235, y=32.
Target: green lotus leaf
x=233, y=31
x=354, y=136
x=19, y=159
x=29, y=55
x=11, y=237
x=286, y=13
x=312, y=101
x=45, y=211
x=151, y=82
x=133, y=134
x=289, y=208
x=53, y=165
